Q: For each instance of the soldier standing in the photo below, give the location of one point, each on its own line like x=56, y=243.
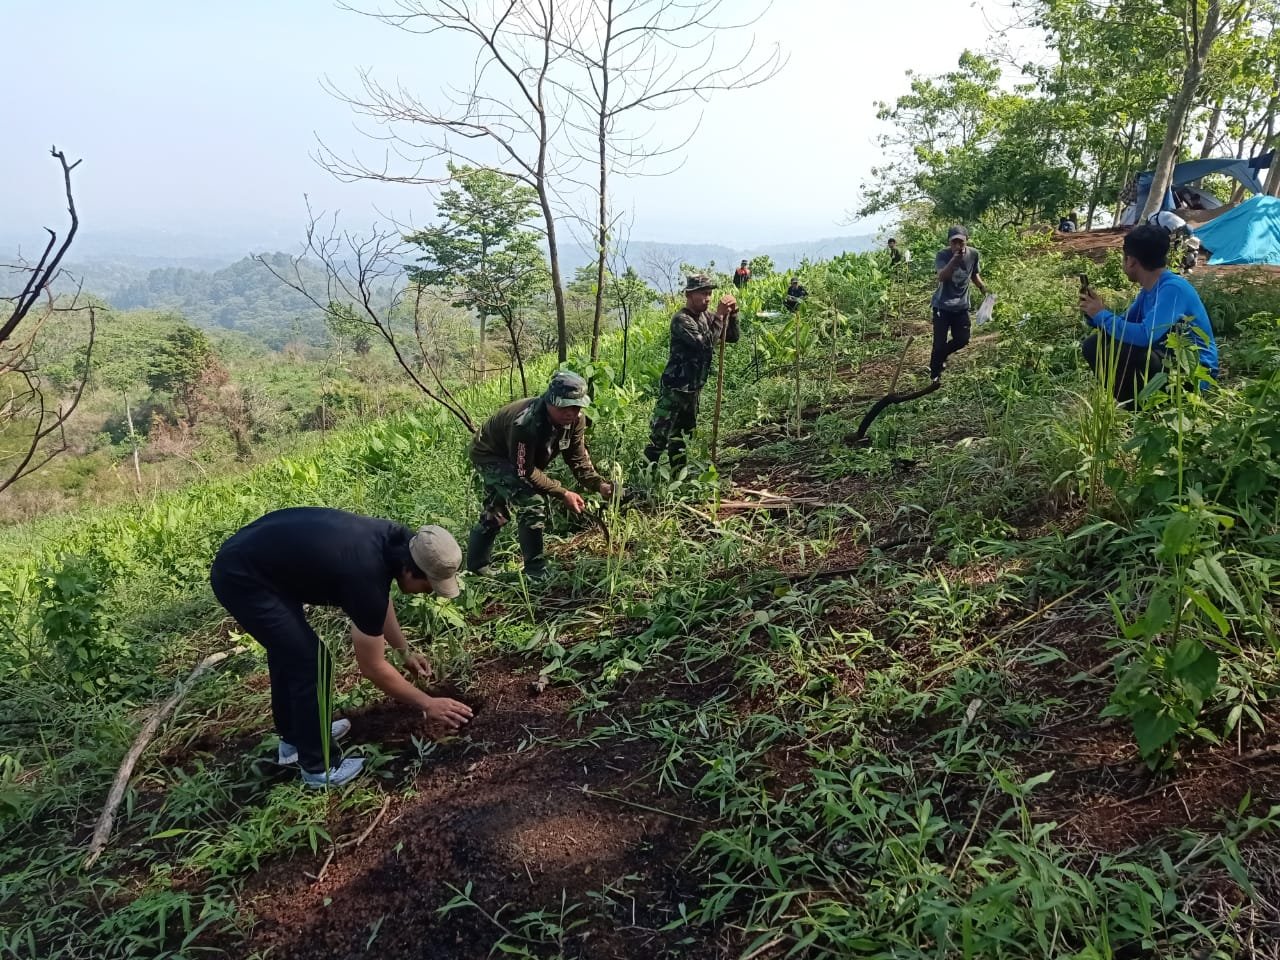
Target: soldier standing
x=511, y=453
x=695, y=332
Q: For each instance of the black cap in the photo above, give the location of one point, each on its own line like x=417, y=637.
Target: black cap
x=957, y=231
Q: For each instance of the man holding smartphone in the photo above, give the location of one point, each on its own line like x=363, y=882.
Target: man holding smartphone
x=957, y=266
x=1129, y=348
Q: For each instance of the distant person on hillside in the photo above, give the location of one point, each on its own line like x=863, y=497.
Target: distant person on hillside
x=895, y=255
x=511, y=453
x=265, y=573
x=695, y=336
x=742, y=275
x=1067, y=224
x=957, y=266
x=795, y=293
x=1135, y=343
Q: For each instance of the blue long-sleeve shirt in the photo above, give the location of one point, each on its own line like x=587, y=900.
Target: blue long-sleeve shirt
x=1156, y=311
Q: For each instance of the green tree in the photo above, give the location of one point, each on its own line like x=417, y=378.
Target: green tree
x=969, y=147
x=484, y=252
x=179, y=365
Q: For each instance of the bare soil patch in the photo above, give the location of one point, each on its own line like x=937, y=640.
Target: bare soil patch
x=510, y=817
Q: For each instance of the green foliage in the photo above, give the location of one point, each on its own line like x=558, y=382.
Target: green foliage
x=863, y=729
x=179, y=364
x=970, y=144
x=79, y=626
x=243, y=297
x=968, y=147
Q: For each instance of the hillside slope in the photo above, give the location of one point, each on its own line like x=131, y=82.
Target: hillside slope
x=829, y=700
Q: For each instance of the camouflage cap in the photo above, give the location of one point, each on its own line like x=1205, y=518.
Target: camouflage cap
x=699, y=281
x=567, y=389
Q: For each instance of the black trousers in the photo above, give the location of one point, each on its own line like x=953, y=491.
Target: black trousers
x=952, y=323
x=1133, y=365
x=298, y=662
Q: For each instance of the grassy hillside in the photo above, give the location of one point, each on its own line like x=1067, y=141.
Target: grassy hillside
x=998, y=684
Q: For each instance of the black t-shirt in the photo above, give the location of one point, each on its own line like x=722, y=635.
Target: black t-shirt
x=323, y=557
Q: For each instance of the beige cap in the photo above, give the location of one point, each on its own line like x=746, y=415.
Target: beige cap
x=437, y=555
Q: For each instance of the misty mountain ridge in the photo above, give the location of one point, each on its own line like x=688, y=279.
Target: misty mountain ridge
x=238, y=293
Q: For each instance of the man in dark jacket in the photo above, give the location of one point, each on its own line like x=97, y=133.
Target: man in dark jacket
x=264, y=574
x=695, y=334
x=795, y=293
x=742, y=276
x=511, y=453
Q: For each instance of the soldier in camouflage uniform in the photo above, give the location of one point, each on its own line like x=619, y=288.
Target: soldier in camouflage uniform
x=511, y=453
x=695, y=334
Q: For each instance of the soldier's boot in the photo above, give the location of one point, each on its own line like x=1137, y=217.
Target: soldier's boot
x=535, y=561
x=480, y=549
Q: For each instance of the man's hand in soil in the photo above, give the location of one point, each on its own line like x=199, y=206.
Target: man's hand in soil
x=451, y=713
x=606, y=490
x=573, y=501
x=1091, y=304
x=416, y=664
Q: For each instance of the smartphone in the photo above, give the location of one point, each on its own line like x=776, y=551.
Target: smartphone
x=1084, y=283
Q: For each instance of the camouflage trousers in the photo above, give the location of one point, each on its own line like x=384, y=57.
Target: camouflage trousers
x=674, y=417
x=501, y=490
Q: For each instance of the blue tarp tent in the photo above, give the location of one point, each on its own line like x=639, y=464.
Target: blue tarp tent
x=1248, y=172
x=1248, y=234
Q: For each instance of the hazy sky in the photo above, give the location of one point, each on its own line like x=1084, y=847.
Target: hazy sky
x=201, y=118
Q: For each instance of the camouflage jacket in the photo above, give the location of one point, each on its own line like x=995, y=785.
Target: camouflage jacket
x=521, y=437
x=693, y=348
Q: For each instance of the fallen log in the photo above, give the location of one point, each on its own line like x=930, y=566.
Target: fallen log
x=107, y=819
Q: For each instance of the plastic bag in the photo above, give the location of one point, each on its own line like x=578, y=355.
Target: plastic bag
x=984, y=312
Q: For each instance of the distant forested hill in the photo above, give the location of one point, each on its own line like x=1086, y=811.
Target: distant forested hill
x=244, y=297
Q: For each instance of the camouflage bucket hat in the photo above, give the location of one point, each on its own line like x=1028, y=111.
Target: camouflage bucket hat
x=567, y=390
x=699, y=281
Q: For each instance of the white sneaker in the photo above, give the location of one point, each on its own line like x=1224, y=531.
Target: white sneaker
x=287, y=754
x=344, y=772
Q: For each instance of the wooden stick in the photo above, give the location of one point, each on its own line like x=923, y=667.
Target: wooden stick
x=103, y=830
x=640, y=806
x=964, y=657
x=382, y=812
x=386, y=805
x=717, y=528
x=715, y=419
x=761, y=951
x=893, y=387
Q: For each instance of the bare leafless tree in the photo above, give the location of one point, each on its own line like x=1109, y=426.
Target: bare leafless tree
x=40, y=419
x=506, y=119
x=648, y=56
x=660, y=267
x=366, y=284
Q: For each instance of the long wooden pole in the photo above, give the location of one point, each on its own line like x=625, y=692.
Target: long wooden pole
x=107, y=819
x=715, y=419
